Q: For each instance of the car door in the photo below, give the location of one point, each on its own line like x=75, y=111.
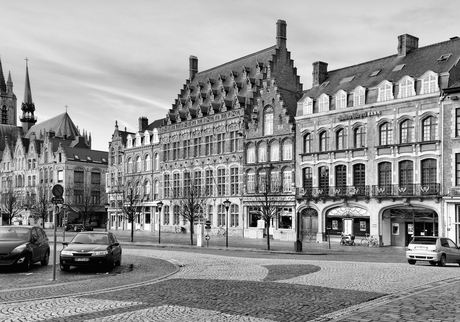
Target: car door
x=116, y=250
x=35, y=245
x=454, y=251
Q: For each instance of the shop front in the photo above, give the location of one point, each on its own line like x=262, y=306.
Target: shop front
x=348, y=220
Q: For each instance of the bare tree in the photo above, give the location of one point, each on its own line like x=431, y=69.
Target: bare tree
x=268, y=197
x=12, y=203
x=39, y=202
x=132, y=200
x=85, y=200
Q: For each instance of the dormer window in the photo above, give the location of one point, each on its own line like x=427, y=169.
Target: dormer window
x=359, y=96
x=444, y=57
x=155, y=136
x=129, y=142
x=146, y=137
x=341, y=99
x=323, y=105
x=429, y=83
x=406, y=87
x=385, y=91
x=138, y=140
x=307, y=106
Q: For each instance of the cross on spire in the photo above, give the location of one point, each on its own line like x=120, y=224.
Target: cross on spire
x=27, y=60
x=66, y=108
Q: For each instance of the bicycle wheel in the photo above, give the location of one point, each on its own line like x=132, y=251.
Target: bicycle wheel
x=364, y=243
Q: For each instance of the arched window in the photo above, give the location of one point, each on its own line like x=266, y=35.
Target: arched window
x=307, y=178
x=112, y=156
x=340, y=99
x=323, y=176
x=341, y=177
x=385, y=92
x=130, y=165
x=429, y=83
x=268, y=121
x=156, y=190
x=406, y=87
x=138, y=164
x=287, y=180
x=147, y=189
x=274, y=151
x=429, y=177
x=341, y=138
x=287, y=150
x=386, y=134
x=385, y=175
x=251, y=154
x=323, y=104
x=157, y=161
x=262, y=153
x=359, y=96
x=406, y=131
x=406, y=177
x=429, y=127
x=307, y=106
x=359, y=139
x=251, y=181
x=359, y=177
x=307, y=143
x=323, y=141
x=147, y=163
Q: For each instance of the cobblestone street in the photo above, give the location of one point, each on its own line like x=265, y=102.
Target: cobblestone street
x=192, y=284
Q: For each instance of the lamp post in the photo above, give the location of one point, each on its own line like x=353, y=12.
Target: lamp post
x=106, y=206
x=227, y=204
x=159, y=206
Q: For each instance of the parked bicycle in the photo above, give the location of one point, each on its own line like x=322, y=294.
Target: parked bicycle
x=221, y=231
x=178, y=229
x=369, y=241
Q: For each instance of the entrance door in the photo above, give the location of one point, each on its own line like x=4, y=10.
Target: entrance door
x=309, y=225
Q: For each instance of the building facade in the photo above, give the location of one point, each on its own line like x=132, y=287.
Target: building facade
x=371, y=145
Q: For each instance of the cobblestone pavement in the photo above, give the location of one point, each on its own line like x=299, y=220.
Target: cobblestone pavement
x=248, y=287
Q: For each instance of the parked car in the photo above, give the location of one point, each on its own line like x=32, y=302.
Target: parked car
x=81, y=227
x=97, y=249
x=21, y=246
x=68, y=227
x=435, y=250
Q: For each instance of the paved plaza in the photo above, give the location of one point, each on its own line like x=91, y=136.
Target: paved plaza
x=239, y=284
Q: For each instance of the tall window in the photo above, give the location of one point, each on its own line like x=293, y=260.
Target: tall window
x=429, y=83
x=167, y=185
x=341, y=139
x=406, y=131
x=341, y=176
x=220, y=215
x=287, y=180
x=274, y=151
x=359, y=176
x=275, y=182
x=307, y=106
x=323, y=104
x=385, y=174
x=359, y=137
x=176, y=215
x=186, y=149
x=78, y=177
x=234, y=216
x=307, y=178
x=175, y=150
x=166, y=152
x=323, y=180
x=323, y=141
x=95, y=177
x=209, y=182
x=268, y=121
x=176, y=185
x=251, y=154
x=429, y=129
x=341, y=99
x=457, y=169
x=262, y=152
x=234, y=181
x=263, y=181
x=208, y=145
x=166, y=215
x=130, y=165
x=188, y=183
x=156, y=190
x=406, y=88
x=406, y=175
x=251, y=182
x=220, y=143
x=221, y=181
x=147, y=163
x=307, y=143
x=359, y=96
x=429, y=174
x=385, y=92
x=157, y=162
x=287, y=150
x=196, y=147
x=233, y=141
x=386, y=134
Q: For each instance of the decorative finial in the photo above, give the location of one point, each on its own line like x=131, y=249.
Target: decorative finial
x=66, y=108
x=27, y=61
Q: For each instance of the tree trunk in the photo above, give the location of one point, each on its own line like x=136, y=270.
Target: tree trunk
x=191, y=232
x=132, y=231
x=267, y=225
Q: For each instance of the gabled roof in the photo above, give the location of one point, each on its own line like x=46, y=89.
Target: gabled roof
x=62, y=125
x=10, y=132
x=392, y=68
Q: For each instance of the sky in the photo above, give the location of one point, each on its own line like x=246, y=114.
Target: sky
x=111, y=60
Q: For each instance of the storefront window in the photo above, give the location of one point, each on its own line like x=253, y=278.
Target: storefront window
x=254, y=216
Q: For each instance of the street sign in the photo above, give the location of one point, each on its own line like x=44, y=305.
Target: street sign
x=57, y=200
x=207, y=237
x=57, y=191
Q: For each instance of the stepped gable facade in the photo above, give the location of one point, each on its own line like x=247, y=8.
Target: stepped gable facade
x=216, y=115
x=370, y=144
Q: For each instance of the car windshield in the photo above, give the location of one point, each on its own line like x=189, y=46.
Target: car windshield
x=424, y=241
x=14, y=233
x=91, y=239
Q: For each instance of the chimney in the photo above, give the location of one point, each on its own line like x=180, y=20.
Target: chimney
x=406, y=43
x=319, y=72
x=281, y=33
x=143, y=123
x=193, y=66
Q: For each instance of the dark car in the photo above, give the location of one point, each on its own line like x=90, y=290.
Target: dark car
x=22, y=246
x=97, y=249
x=81, y=227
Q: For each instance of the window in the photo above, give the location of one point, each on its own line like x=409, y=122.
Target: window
x=429, y=127
x=341, y=177
x=138, y=164
x=406, y=87
x=208, y=145
x=385, y=92
x=429, y=83
x=234, y=215
x=251, y=154
x=307, y=106
x=157, y=162
x=78, y=196
x=166, y=215
x=166, y=152
x=263, y=183
x=307, y=143
x=262, y=152
x=220, y=143
x=341, y=138
x=323, y=105
x=385, y=174
x=287, y=150
x=386, y=134
x=274, y=151
x=457, y=169
x=251, y=180
x=287, y=180
x=234, y=181
x=95, y=178
x=196, y=147
x=60, y=174
x=429, y=174
x=406, y=177
x=268, y=121
x=233, y=141
x=406, y=131
x=176, y=185
x=186, y=149
x=359, y=137
x=359, y=176
x=323, y=141
x=176, y=215
x=187, y=184
x=95, y=197
x=220, y=181
x=307, y=178
x=275, y=182
x=130, y=165
x=197, y=178
x=167, y=185
x=209, y=182
x=175, y=150
x=220, y=215
x=112, y=156
x=323, y=180
x=156, y=190
x=78, y=177
x=147, y=163
x=341, y=99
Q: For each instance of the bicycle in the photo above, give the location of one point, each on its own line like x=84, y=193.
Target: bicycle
x=221, y=231
x=369, y=241
x=178, y=229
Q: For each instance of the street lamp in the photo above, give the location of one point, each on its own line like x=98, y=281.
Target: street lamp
x=227, y=204
x=106, y=206
x=159, y=206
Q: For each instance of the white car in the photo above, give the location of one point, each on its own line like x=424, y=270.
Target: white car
x=435, y=250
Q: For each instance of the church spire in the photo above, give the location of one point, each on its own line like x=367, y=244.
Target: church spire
x=9, y=83
x=2, y=78
x=28, y=107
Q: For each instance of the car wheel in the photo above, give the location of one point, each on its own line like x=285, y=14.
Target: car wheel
x=342, y=243
x=432, y=263
x=27, y=263
x=411, y=261
x=46, y=259
x=118, y=262
x=109, y=265
x=64, y=268
x=442, y=262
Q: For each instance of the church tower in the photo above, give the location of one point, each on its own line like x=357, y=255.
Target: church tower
x=28, y=118
x=8, y=104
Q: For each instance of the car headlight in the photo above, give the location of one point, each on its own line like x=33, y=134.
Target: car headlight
x=19, y=249
x=99, y=253
x=66, y=252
